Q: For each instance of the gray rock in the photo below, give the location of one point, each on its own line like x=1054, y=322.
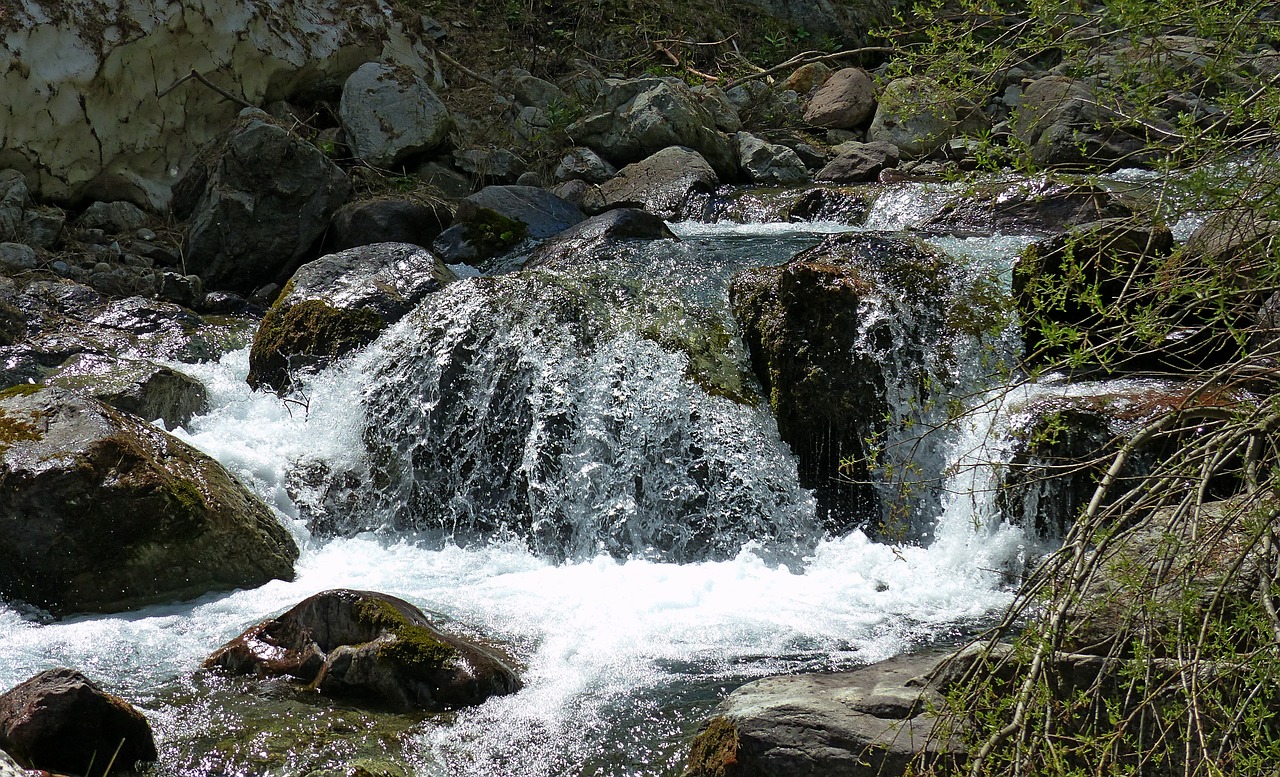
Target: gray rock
x=362, y=644
x=769, y=163
x=21, y=220
x=16, y=257
x=384, y=220
x=859, y=162
x=154, y=519
x=338, y=303
x=390, y=113
x=489, y=164
x=634, y=119
x=114, y=218
x=447, y=180
x=717, y=104
x=583, y=164
x=598, y=236
x=61, y=720
x=582, y=195
x=258, y=205
x=184, y=290
x=143, y=388
x=914, y=114
x=845, y=100
x=1062, y=123
x=863, y=723
x=542, y=213
x=535, y=92
x=662, y=183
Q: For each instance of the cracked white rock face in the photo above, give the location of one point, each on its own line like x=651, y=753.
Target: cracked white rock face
x=81, y=107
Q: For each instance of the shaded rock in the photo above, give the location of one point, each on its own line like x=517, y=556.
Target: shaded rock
x=662, y=183
x=635, y=119
x=390, y=113
x=585, y=165
x=101, y=512
x=497, y=219
x=483, y=164
x=536, y=92
x=184, y=290
x=914, y=114
x=863, y=723
x=848, y=206
x=717, y=103
x=1041, y=206
x=21, y=220
x=385, y=221
x=61, y=721
x=337, y=304
x=142, y=388
x=845, y=100
x=362, y=644
x=114, y=218
x=1063, y=124
x=16, y=257
x=847, y=23
x=597, y=235
x=582, y=195
x=859, y=162
x=448, y=181
x=769, y=163
x=259, y=201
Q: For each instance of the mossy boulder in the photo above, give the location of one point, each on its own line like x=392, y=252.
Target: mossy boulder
x=824, y=332
x=368, y=645
x=338, y=304
x=102, y=512
x=497, y=219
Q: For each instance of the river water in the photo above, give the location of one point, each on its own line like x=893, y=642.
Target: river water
x=509, y=448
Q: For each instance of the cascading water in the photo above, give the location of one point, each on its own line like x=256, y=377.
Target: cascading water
x=574, y=466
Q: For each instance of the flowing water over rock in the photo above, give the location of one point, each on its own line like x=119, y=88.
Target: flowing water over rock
x=576, y=466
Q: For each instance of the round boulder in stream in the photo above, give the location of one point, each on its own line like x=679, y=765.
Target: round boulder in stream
x=101, y=512
x=340, y=303
x=364, y=644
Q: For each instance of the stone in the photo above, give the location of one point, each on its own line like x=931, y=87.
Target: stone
x=101, y=512
x=633, y=120
x=582, y=195
x=866, y=722
x=21, y=220
x=114, y=218
x=366, y=645
x=858, y=162
x=385, y=220
x=489, y=164
x=845, y=100
x=142, y=388
x=538, y=93
x=583, y=164
x=116, y=138
x=662, y=183
x=184, y=290
x=1063, y=124
x=598, y=236
x=1028, y=207
x=16, y=257
x=389, y=114
x=497, y=219
x=806, y=78
x=915, y=114
x=769, y=163
x=337, y=304
x=718, y=105
x=62, y=721
x=446, y=180
x=259, y=202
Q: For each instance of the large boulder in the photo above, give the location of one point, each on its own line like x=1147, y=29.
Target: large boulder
x=107, y=77
x=385, y=220
x=497, y=219
x=867, y=722
x=634, y=119
x=390, y=113
x=769, y=163
x=845, y=100
x=915, y=114
x=259, y=202
x=858, y=162
x=362, y=644
x=337, y=304
x=61, y=721
x=100, y=511
x=662, y=183
x=142, y=388
x=1063, y=123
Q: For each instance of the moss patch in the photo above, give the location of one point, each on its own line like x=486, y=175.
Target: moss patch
x=14, y=428
x=313, y=329
x=714, y=752
x=415, y=647
x=491, y=232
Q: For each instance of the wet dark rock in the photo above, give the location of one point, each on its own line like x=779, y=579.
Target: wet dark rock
x=367, y=645
x=662, y=183
x=337, y=304
x=61, y=721
x=1028, y=207
x=497, y=219
x=845, y=101
x=849, y=206
x=259, y=201
x=156, y=329
x=633, y=120
x=389, y=114
x=597, y=236
x=184, y=290
x=825, y=366
x=862, y=723
x=489, y=165
x=859, y=162
x=385, y=221
x=102, y=512
x=136, y=386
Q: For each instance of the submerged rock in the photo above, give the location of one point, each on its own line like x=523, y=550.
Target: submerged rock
x=598, y=235
x=868, y=722
x=61, y=721
x=337, y=304
x=362, y=644
x=1029, y=207
x=102, y=512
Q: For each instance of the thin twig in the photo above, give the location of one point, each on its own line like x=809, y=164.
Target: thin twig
x=198, y=77
x=468, y=71
x=808, y=58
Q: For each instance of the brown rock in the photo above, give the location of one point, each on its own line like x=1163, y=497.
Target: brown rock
x=846, y=100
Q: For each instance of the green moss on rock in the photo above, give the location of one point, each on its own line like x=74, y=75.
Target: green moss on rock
x=714, y=752
x=415, y=647
x=306, y=334
x=491, y=232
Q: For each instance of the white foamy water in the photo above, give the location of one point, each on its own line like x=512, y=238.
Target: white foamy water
x=621, y=657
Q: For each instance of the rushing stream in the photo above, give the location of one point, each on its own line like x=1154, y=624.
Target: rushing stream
x=564, y=488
